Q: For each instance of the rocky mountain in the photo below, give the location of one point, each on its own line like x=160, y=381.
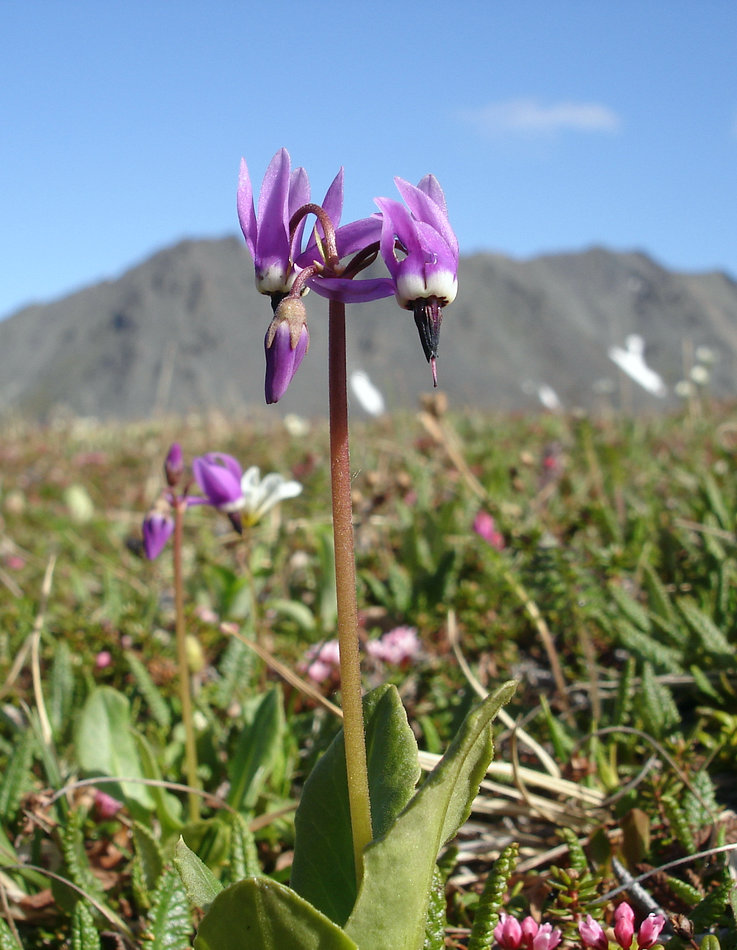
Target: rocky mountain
x=184, y=329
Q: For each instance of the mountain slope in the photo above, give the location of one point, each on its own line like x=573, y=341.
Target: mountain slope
x=184, y=330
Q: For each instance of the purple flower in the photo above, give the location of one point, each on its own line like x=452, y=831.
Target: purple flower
x=219, y=477
x=283, y=192
x=286, y=343
x=508, y=933
x=421, y=251
x=158, y=527
x=173, y=464
x=592, y=933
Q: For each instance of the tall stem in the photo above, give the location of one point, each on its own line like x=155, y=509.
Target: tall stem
x=190, y=747
x=345, y=582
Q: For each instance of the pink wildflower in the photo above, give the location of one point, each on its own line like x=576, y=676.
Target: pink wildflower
x=529, y=928
x=546, y=938
x=322, y=660
x=624, y=925
x=106, y=806
x=592, y=933
x=396, y=646
x=508, y=933
x=103, y=659
x=650, y=930
x=485, y=527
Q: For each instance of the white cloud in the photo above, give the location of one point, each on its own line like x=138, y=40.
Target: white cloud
x=530, y=117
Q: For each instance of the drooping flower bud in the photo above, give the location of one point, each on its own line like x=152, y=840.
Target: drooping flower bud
x=174, y=464
x=158, y=526
x=286, y=343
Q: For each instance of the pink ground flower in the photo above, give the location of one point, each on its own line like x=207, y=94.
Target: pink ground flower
x=546, y=938
x=396, y=647
x=592, y=934
x=106, y=807
x=103, y=659
x=485, y=527
x=624, y=925
x=650, y=931
x=322, y=661
x=508, y=933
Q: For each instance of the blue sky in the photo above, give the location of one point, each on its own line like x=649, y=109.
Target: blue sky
x=551, y=125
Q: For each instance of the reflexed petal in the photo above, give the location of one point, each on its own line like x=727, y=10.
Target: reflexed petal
x=424, y=208
x=246, y=214
x=273, y=213
x=299, y=194
x=352, y=291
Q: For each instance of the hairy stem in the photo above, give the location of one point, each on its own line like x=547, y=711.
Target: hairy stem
x=345, y=578
x=190, y=747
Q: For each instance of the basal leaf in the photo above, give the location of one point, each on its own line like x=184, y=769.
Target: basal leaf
x=323, y=870
x=258, y=745
x=105, y=743
x=260, y=914
x=391, y=908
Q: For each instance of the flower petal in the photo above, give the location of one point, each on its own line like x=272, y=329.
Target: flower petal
x=246, y=214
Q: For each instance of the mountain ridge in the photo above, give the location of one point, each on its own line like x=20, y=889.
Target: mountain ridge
x=183, y=330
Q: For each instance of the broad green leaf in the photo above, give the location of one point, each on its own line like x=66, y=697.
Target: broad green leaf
x=105, y=743
x=391, y=908
x=169, y=926
x=258, y=745
x=260, y=914
x=323, y=870
x=200, y=883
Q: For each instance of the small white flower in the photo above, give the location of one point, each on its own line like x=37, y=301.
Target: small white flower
x=260, y=495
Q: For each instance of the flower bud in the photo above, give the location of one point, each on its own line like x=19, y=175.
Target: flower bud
x=174, y=464
x=624, y=925
x=158, y=526
x=286, y=343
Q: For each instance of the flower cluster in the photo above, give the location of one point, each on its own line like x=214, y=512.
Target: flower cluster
x=243, y=496
x=593, y=935
x=397, y=647
x=415, y=240
x=511, y=934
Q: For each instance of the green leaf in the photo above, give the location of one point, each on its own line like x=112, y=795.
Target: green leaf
x=105, y=743
x=323, y=870
x=260, y=914
x=84, y=932
x=168, y=807
x=243, y=860
x=15, y=777
x=7, y=938
x=712, y=639
x=258, y=745
x=391, y=908
x=149, y=858
x=155, y=701
x=61, y=688
x=169, y=925
x=200, y=883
